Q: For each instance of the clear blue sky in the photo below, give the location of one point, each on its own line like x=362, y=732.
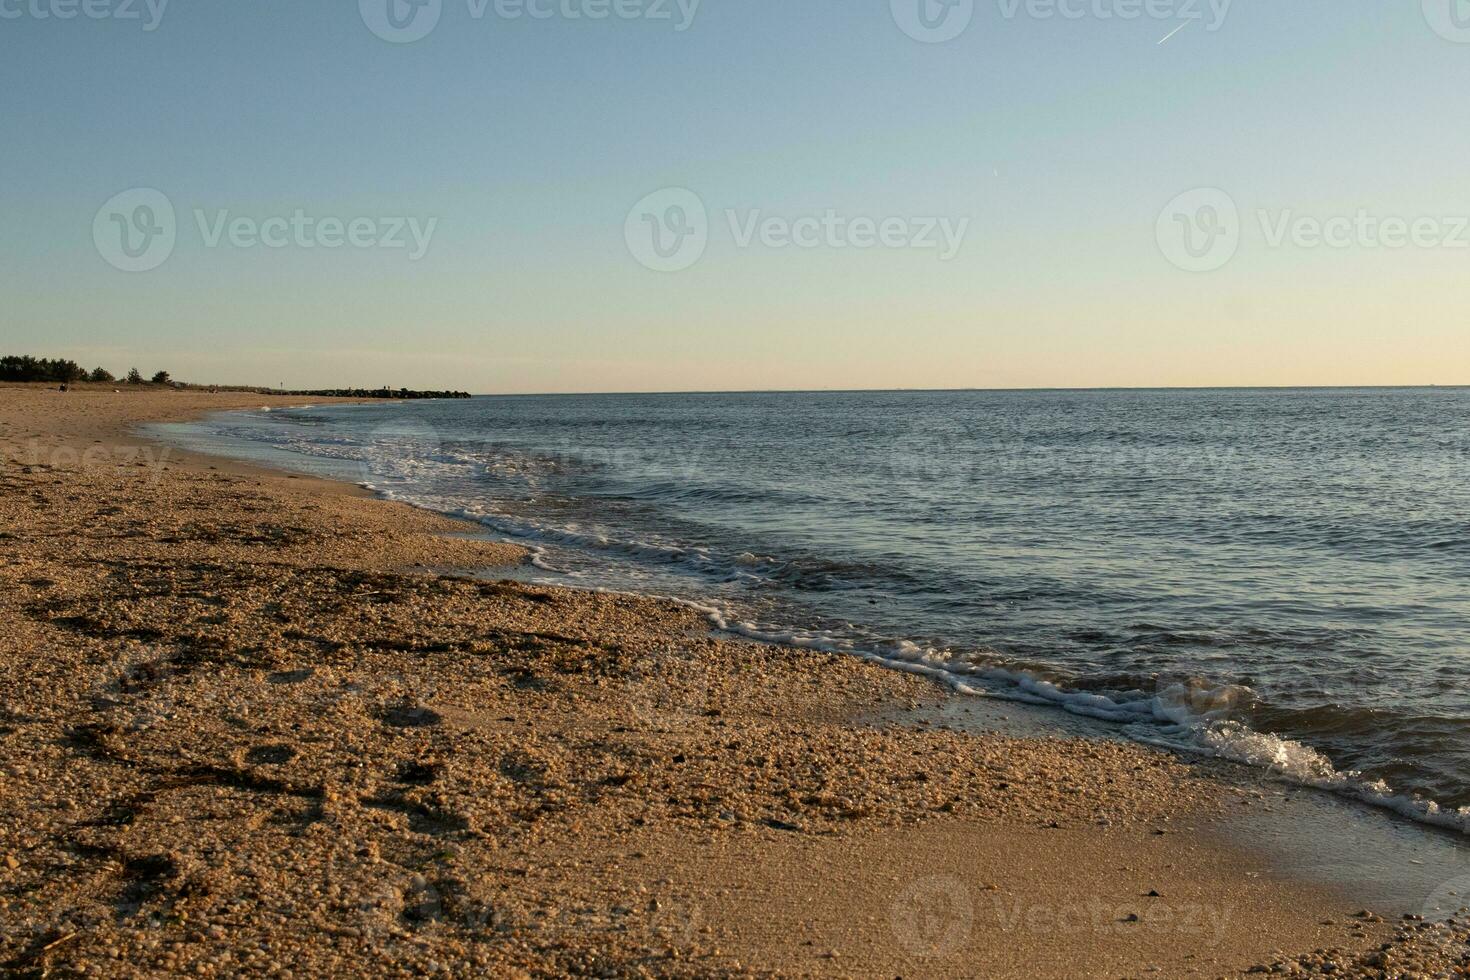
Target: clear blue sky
x=527, y=141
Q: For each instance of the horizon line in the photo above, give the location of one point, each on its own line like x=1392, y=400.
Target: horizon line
x=937, y=391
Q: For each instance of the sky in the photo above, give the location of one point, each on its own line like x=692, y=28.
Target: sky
x=656, y=195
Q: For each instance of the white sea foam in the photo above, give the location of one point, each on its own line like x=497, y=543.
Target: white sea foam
x=1163, y=720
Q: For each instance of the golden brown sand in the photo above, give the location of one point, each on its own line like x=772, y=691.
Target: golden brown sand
x=249, y=726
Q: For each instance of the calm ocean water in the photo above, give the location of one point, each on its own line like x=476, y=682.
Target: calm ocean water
x=1280, y=577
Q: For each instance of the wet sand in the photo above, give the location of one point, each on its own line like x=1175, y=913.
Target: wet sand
x=251, y=727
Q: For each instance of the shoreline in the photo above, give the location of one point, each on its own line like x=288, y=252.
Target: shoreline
x=1277, y=755
x=437, y=769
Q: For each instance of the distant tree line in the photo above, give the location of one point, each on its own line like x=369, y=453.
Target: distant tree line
x=59, y=371
x=400, y=393
x=23, y=367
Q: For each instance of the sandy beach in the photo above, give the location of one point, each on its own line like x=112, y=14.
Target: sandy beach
x=261, y=724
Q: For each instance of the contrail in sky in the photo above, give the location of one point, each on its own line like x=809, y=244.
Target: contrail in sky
x=1173, y=32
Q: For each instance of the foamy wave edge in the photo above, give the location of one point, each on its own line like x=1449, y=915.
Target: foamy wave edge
x=1151, y=721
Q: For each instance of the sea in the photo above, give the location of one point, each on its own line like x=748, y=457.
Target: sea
x=1278, y=577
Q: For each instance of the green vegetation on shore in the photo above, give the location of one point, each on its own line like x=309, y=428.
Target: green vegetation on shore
x=23, y=368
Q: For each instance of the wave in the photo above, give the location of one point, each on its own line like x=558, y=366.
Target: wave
x=1171, y=718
